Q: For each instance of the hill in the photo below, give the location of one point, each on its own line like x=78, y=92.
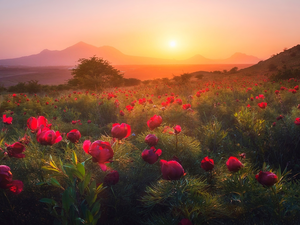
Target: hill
x=70, y=56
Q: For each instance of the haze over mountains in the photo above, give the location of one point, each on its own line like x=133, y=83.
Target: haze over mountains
x=70, y=56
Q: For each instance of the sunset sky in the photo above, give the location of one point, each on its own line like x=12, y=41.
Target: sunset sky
x=174, y=29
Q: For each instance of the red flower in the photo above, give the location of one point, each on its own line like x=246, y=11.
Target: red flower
x=262, y=105
x=154, y=122
x=207, y=164
x=112, y=178
x=179, y=101
x=5, y=176
x=185, y=222
x=7, y=120
x=233, y=164
x=251, y=98
x=15, y=150
x=74, y=121
x=16, y=186
x=151, y=155
x=120, y=131
x=151, y=140
x=266, y=178
x=279, y=117
x=177, y=129
x=45, y=136
x=186, y=106
x=276, y=92
x=121, y=113
x=297, y=121
x=100, y=151
x=89, y=121
x=6, y=182
x=171, y=170
x=34, y=124
x=74, y=135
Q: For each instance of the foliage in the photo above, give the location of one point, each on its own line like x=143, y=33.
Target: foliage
x=95, y=73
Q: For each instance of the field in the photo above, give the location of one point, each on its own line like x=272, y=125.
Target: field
x=59, y=75
x=88, y=158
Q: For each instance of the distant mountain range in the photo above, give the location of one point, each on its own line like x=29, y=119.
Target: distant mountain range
x=70, y=56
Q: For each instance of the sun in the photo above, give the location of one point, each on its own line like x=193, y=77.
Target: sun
x=172, y=44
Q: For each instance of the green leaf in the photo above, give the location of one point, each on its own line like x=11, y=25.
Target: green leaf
x=48, y=201
x=55, y=182
x=96, y=208
x=81, y=169
x=62, y=165
x=74, y=158
x=66, y=199
x=87, y=180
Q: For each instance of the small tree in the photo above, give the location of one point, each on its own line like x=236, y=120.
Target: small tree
x=95, y=73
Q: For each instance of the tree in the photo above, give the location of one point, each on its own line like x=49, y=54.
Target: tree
x=95, y=73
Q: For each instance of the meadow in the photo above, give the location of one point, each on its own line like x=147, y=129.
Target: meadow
x=211, y=151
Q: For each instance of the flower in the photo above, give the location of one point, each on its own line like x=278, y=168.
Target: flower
x=186, y=106
x=120, y=131
x=45, y=136
x=15, y=150
x=262, y=105
x=185, y=222
x=266, y=178
x=112, y=178
x=233, y=164
x=35, y=123
x=6, y=182
x=122, y=113
x=7, y=120
x=207, y=164
x=297, y=121
x=89, y=121
x=279, y=117
x=154, y=122
x=171, y=170
x=151, y=140
x=151, y=155
x=74, y=135
x=100, y=151
x=177, y=129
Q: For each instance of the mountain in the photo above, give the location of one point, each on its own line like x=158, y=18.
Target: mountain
x=70, y=56
x=289, y=58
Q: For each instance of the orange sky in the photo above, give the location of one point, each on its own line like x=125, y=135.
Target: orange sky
x=214, y=29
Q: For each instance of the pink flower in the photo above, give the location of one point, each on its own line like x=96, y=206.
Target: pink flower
x=100, y=151
x=177, y=129
x=297, y=121
x=151, y=155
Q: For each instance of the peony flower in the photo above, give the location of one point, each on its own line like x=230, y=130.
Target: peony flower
x=151, y=155
x=112, y=178
x=297, y=121
x=266, y=178
x=185, y=222
x=15, y=150
x=177, y=129
x=207, y=164
x=74, y=135
x=262, y=105
x=100, y=151
x=154, y=122
x=151, y=140
x=35, y=123
x=7, y=120
x=171, y=170
x=233, y=164
x=45, y=136
x=120, y=131
x=6, y=182
x=186, y=106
